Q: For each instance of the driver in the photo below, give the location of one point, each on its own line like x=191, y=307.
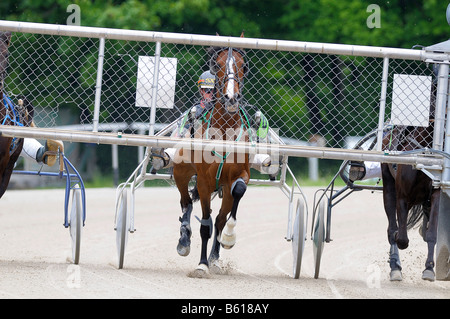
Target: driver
x=163, y=158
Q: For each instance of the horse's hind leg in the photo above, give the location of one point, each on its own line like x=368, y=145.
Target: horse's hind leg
x=431, y=236
x=184, y=243
x=389, y=199
x=227, y=204
x=206, y=226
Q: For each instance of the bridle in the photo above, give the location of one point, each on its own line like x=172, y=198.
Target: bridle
x=225, y=87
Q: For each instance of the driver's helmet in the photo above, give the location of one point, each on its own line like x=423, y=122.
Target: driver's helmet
x=206, y=80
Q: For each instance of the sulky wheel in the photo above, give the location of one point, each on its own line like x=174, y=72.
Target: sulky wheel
x=76, y=223
x=122, y=227
x=298, y=237
x=319, y=237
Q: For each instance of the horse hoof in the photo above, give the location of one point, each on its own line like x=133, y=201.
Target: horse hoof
x=183, y=250
x=428, y=275
x=184, y=243
x=202, y=271
x=402, y=243
x=396, y=275
x=227, y=246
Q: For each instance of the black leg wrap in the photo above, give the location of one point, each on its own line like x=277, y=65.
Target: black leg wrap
x=184, y=242
x=238, y=188
x=206, y=228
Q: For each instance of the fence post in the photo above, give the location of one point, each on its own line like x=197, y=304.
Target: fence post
x=98, y=86
x=155, y=88
x=438, y=138
x=384, y=80
x=443, y=235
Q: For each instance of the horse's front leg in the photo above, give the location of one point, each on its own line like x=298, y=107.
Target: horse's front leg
x=431, y=236
x=228, y=234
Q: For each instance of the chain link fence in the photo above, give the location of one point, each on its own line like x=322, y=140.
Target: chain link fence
x=306, y=97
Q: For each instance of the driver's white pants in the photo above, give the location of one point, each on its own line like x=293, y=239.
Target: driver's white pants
x=30, y=148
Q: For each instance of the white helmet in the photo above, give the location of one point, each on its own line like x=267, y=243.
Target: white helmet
x=206, y=80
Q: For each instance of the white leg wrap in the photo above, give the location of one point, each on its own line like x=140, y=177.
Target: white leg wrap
x=228, y=235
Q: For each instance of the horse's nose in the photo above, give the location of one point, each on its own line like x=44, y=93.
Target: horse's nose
x=235, y=99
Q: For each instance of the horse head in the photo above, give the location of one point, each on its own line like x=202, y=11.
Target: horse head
x=230, y=68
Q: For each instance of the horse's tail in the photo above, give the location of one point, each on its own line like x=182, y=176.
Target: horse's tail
x=416, y=214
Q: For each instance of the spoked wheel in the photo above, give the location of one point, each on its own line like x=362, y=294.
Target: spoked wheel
x=122, y=227
x=298, y=237
x=319, y=237
x=76, y=223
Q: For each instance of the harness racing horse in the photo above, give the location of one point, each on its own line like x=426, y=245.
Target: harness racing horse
x=224, y=172
x=10, y=148
x=409, y=195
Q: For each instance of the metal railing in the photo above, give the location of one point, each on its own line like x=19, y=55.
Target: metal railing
x=316, y=93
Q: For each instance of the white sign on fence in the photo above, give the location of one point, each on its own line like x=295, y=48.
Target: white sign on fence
x=166, y=82
x=411, y=100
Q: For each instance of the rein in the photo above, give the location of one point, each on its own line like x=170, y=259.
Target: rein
x=13, y=116
x=11, y=113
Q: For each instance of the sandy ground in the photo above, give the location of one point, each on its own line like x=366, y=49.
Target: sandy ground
x=35, y=248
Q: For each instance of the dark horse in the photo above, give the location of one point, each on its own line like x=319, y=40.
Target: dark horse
x=224, y=172
x=409, y=196
x=10, y=148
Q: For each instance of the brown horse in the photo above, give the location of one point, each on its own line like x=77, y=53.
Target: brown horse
x=10, y=148
x=216, y=171
x=409, y=196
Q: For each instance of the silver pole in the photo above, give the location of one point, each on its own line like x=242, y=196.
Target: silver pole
x=98, y=86
x=382, y=103
x=443, y=234
x=441, y=98
x=194, y=144
x=213, y=40
x=155, y=88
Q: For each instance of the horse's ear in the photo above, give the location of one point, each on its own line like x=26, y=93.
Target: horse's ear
x=213, y=66
x=217, y=34
x=242, y=34
x=246, y=69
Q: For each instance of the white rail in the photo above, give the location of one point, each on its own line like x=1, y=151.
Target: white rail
x=199, y=144
x=194, y=39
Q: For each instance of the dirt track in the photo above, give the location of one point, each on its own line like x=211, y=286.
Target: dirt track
x=35, y=247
